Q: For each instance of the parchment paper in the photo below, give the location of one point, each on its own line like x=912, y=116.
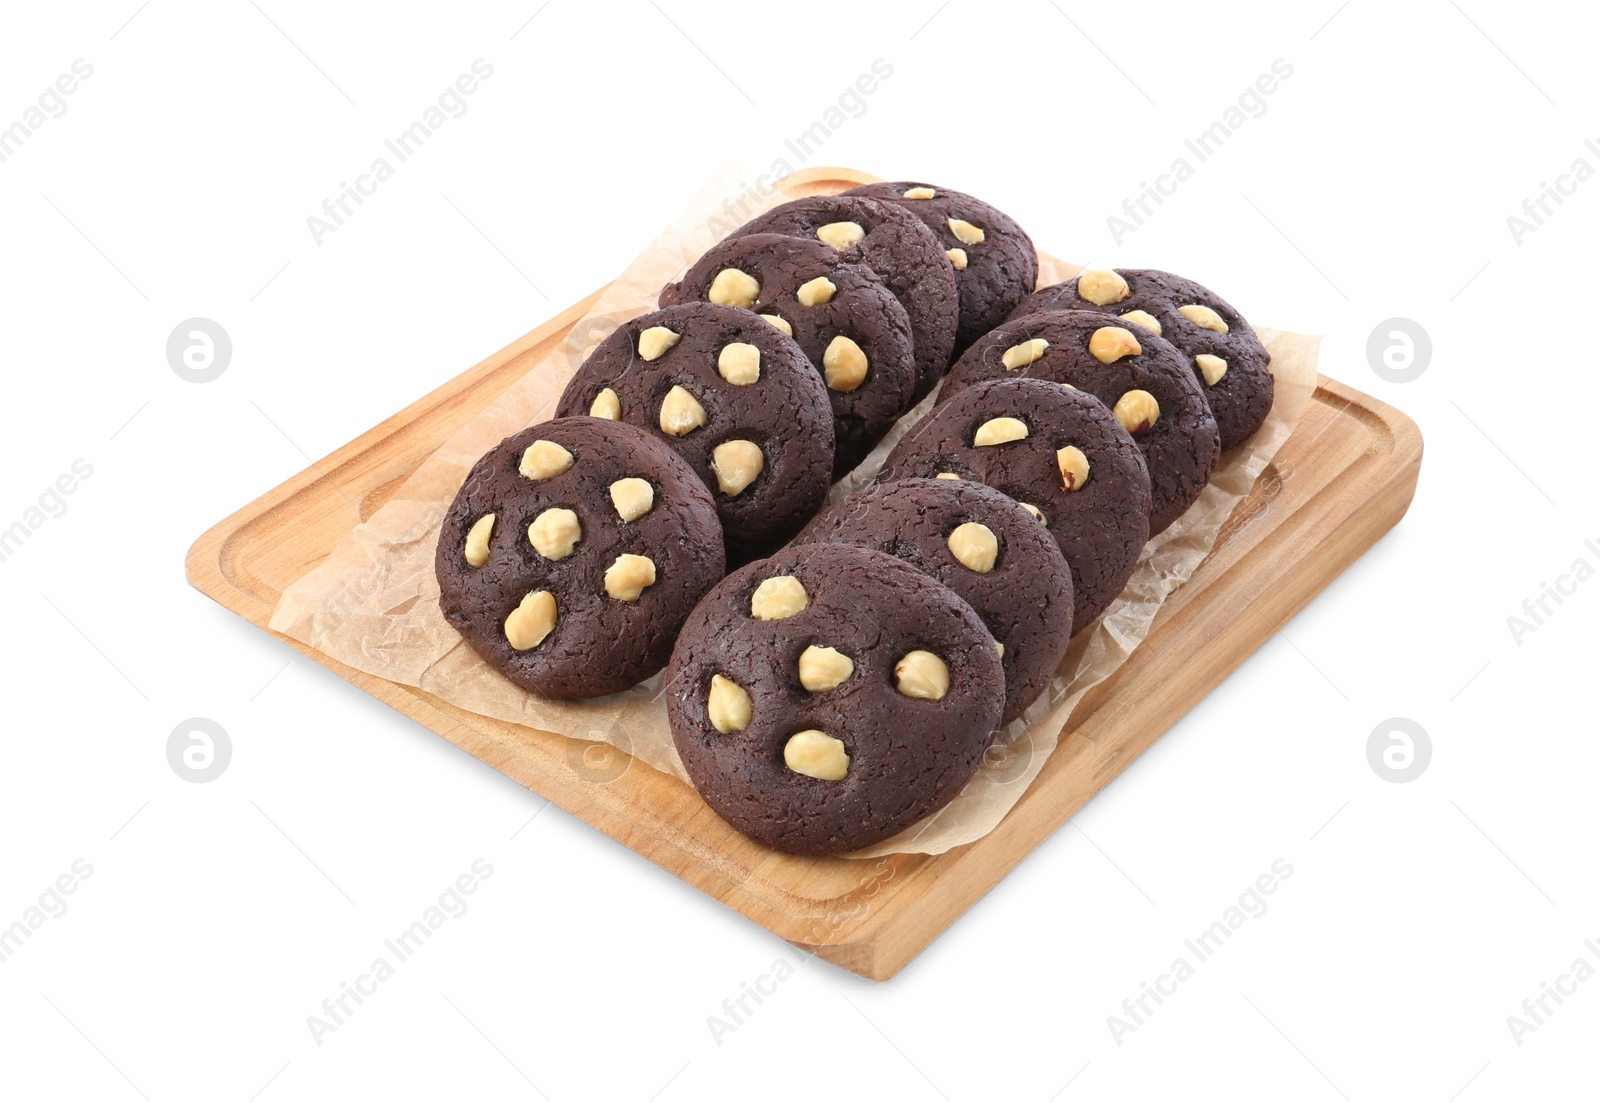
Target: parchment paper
x=373, y=603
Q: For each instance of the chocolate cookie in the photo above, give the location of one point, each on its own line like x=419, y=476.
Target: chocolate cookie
x=1228, y=359
x=1060, y=451
x=1144, y=379
x=735, y=398
x=847, y=320
x=896, y=245
x=572, y=554
x=831, y=696
x=995, y=261
x=990, y=550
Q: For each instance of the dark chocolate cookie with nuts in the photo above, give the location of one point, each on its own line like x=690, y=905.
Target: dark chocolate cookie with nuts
x=1056, y=450
x=1229, y=360
x=1144, y=379
x=734, y=397
x=829, y=697
x=895, y=244
x=995, y=261
x=572, y=554
x=848, y=322
x=994, y=552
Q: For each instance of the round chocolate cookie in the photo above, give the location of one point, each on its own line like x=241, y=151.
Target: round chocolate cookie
x=896, y=245
x=572, y=554
x=831, y=696
x=848, y=322
x=1146, y=382
x=735, y=398
x=995, y=262
x=989, y=549
x=1228, y=359
x=1060, y=451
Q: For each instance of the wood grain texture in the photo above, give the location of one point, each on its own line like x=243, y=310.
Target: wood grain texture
x=1342, y=480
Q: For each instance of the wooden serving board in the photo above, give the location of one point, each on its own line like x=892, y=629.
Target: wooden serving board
x=1342, y=480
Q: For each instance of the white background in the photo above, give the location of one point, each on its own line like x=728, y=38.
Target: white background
x=218, y=916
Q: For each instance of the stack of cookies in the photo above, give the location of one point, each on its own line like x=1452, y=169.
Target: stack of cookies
x=845, y=680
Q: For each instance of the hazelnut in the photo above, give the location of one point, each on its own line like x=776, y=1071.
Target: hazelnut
x=974, y=545
x=1137, y=410
x=958, y=259
x=531, y=621
x=628, y=576
x=1021, y=355
x=727, y=705
x=739, y=363
x=554, y=533
x=732, y=287
x=1204, y=317
x=844, y=365
x=918, y=193
x=1073, y=465
x=1143, y=318
x=1108, y=344
x=736, y=463
x=816, y=292
x=999, y=649
x=632, y=498
x=816, y=754
x=606, y=404
x=1212, y=368
x=966, y=233
x=477, y=549
x=948, y=475
x=1101, y=286
x=681, y=413
x=824, y=668
x=1038, y=514
x=778, y=597
x=544, y=459
x=655, y=341
x=923, y=675
x=999, y=430
x=777, y=322
x=841, y=235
